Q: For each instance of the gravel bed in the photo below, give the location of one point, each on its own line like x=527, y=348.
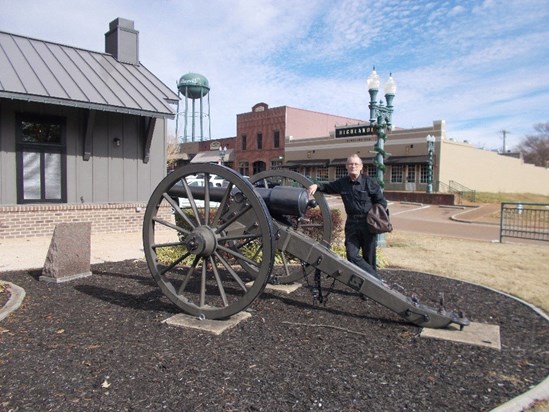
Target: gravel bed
x=99, y=343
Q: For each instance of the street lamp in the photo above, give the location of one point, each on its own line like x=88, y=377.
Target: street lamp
x=380, y=118
x=430, y=150
x=222, y=153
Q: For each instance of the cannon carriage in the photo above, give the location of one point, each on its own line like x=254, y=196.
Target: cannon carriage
x=214, y=258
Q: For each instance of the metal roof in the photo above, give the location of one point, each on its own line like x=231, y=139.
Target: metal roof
x=40, y=71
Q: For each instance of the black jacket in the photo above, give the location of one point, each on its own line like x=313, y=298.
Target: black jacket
x=357, y=196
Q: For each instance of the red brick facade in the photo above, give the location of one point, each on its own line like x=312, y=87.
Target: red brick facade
x=264, y=123
x=263, y=135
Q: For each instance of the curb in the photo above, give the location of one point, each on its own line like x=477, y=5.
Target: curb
x=17, y=294
x=456, y=207
x=457, y=219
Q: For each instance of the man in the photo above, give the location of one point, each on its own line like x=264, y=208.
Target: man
x=358, y=192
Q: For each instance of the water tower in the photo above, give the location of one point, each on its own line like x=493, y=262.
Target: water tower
x=195, y=87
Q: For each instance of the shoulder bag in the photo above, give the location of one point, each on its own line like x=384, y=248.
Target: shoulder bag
x=378, y=220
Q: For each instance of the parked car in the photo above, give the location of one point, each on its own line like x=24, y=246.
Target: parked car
x=198, y=181
x=217, y=181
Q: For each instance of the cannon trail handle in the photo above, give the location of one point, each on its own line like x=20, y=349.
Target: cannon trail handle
x=323, y=259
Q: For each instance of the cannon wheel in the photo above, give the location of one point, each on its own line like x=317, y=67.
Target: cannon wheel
x=211, y=257
x=318, y=228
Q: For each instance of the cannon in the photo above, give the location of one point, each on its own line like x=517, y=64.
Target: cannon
x=214, y=254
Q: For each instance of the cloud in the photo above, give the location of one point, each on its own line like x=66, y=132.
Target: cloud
x=479, y=65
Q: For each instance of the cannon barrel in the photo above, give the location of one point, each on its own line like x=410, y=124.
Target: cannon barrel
x=280, y=200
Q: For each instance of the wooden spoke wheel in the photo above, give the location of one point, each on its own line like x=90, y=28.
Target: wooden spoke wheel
x=316, y=224
x=208, y=240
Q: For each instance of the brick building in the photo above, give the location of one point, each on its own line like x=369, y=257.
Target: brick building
x=317, y=145
x=262, y=134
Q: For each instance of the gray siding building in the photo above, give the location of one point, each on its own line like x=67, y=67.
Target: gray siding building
x=79, y=130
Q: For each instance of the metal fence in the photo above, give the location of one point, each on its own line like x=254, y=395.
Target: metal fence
x=525, y=221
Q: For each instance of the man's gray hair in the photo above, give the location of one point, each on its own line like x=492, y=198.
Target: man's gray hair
x=353, y=156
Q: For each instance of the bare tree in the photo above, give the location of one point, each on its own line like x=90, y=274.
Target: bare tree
x=535, y=148
x=172, y=150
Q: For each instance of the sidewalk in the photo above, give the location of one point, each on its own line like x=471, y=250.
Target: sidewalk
x=30, y=253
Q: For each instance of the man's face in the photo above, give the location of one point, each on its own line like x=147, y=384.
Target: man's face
x=354, y=167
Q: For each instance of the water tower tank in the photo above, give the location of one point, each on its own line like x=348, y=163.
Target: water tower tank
x=193, y=85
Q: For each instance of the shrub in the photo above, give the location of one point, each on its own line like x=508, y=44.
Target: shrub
x=315, y=217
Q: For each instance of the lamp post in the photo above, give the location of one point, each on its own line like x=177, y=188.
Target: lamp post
x=381, y=120
x=430, y=150
x=222, y=153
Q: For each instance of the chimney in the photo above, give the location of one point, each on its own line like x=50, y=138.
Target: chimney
x=122, y=41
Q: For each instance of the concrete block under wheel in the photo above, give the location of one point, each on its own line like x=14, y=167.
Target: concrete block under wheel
x=217, y=327
x=285, y=288
x=480, y=334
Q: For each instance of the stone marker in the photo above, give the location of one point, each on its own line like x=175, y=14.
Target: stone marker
x=69, y=253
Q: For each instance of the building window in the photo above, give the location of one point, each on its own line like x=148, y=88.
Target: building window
x=41, y=159
x=260, y=141
x=243, y=142
x=322, y=174
x=244, y=168
x=276, y=139
x=423, y=173
x=396, y=173
x=276, y=164
x=370, y=170
x=258, y=167
x=340, y=171
x=308, y=171
x=411, y=175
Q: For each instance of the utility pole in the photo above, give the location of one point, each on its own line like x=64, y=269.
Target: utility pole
x=504, y=132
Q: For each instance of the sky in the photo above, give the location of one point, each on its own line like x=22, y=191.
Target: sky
x=482, y=66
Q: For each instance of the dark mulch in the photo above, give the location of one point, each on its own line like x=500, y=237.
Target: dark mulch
x=99, y=344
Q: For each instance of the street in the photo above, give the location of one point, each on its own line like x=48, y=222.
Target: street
x=434, y=220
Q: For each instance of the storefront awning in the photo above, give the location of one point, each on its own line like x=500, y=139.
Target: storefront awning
x=307, y=163
x=406, y=159
x=178, y=156
x=212, y=156
x=343, y=161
